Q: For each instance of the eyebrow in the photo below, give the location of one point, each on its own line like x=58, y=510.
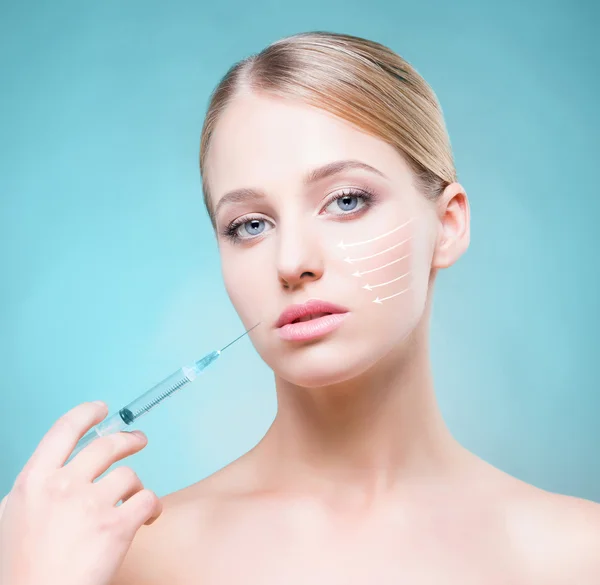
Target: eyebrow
x=318, y=174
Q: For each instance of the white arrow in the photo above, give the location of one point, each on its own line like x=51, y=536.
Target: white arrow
x=372, y=286
x=351, y=260
x=360, y=273
x=344, y=246
x=379, y=301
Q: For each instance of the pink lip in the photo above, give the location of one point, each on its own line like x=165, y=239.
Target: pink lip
x=314, y=328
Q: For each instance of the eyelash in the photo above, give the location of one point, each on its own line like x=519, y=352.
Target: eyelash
x=368, y=197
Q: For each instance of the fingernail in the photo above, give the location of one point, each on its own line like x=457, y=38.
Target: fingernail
x=100, y=403
x=139, y=434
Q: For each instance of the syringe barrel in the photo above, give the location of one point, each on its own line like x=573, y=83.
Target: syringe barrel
x=121, y=420
x=155, y=395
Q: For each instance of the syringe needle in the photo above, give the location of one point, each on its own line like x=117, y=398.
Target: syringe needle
x=242, y=335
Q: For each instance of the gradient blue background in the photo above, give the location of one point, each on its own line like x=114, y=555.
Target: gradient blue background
x=110, y=276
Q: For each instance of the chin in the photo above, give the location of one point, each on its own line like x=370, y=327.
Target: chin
x=325, y=364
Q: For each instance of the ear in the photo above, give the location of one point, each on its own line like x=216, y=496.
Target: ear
x=454, y=233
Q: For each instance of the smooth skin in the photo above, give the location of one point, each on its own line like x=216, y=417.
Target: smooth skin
x=358, y=480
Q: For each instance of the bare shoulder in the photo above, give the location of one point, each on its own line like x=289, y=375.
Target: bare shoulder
x=175, y=543
x=558, y=536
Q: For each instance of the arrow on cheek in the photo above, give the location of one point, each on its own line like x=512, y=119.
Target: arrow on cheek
x=344, y=246
x=352, y=260
x=361, y=272
x=372, y=286
x=379, y=301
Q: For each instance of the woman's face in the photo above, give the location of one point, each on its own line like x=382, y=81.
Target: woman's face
x=308, y=207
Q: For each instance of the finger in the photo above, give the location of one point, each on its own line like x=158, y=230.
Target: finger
x=142, y=508
x=120, y=484
x=58, y=443
x=98, y=456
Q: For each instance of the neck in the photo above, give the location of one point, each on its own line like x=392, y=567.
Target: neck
x=364, y=436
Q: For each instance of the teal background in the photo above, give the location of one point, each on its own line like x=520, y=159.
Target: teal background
x=110, y=275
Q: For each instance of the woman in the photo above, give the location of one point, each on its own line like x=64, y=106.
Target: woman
x=329, y=179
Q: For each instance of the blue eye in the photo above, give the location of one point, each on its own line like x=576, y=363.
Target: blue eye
x=246, y=228
x=253, y=227
x=348, y=201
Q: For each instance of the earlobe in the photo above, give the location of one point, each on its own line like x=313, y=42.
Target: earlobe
x=454, y=226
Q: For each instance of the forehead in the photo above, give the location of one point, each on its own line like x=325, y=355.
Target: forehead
x=263, y=141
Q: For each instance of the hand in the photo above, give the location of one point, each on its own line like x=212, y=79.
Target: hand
x=58, y=526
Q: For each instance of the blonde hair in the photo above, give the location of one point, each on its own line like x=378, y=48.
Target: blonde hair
x=361, y=82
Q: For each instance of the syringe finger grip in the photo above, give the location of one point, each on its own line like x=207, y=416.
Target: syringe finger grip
x=112, y=424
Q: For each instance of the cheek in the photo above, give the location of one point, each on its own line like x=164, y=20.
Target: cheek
x=243, y=282
x=388, y=268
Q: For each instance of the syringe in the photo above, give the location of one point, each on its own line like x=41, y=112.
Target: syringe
x=148, y=400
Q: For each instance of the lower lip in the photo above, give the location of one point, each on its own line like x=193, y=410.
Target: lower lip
x=313, y=329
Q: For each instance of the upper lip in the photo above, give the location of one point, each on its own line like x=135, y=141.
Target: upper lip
x=310, y=307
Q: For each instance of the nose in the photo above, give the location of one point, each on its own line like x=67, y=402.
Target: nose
x=299, y=257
